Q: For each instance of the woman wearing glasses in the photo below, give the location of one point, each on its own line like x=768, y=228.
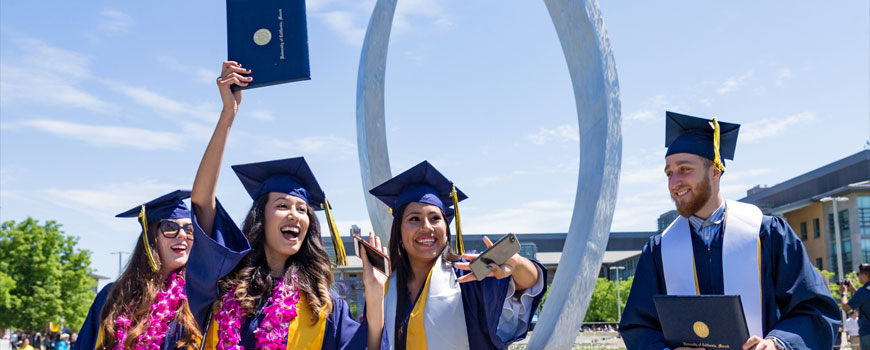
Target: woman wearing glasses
x=147, y=307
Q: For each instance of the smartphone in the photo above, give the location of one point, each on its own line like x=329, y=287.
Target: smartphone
x=377, y=258
x=498, y=254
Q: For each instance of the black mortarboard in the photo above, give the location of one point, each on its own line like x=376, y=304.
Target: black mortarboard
x=291, y=176
x=167, y=206
x=687, y=134
x=425, y=184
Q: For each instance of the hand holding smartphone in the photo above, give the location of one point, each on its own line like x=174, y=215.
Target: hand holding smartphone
x=498, y=254
x=376, y=257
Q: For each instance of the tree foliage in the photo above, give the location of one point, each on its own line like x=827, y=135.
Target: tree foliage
x=602, y=306
x=44, y=277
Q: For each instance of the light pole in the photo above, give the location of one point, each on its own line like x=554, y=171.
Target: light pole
x=838, y=246
x=618, y=299
x=120, y=253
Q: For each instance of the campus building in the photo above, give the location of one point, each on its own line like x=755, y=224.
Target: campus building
x=805, y=203
x=622, y=252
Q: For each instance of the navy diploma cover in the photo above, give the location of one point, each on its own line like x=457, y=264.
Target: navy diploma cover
x=269, y=37
x=702, y=321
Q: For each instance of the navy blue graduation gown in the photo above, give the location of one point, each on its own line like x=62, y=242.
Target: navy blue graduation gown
x=797, y=305
x=87, y=339
x=218, y=257
x=482, y=302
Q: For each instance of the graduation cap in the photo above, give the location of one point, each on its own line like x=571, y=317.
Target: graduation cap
x=425, y=184
x=291, y=176
x=710, y=139
x=167, y=206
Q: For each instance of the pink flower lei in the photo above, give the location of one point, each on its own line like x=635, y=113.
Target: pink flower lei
x=163, y=310
x=273, y=329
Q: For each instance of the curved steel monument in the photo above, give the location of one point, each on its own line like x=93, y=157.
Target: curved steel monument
x=590, y=61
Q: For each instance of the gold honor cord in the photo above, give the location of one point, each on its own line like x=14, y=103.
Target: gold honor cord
x=337, y=245
x=716, y=136
x=459, y=247
x=147, y=245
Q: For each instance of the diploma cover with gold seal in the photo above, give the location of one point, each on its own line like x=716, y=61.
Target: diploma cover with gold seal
x=702, y=321
x=269, y=37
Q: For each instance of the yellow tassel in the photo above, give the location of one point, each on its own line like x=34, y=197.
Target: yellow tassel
x=337, y=244
x=147, y=245
x=459, y=247
x=717, y=162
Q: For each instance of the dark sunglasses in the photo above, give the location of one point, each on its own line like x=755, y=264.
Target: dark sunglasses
x=170, y=229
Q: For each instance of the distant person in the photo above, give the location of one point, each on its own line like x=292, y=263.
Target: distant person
x=72, y=339
x=860, y=302
x=851, y=327
x=62, y=342
x=787, y=304
x=13, y=340
x=25, y=344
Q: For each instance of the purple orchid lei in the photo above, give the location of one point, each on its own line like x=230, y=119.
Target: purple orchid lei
x=163, y=310
x=273, y=329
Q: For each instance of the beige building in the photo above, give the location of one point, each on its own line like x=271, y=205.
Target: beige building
x=802, y=201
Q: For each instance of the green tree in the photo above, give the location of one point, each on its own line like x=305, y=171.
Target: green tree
x=834, y=285
x=602, y=305
x=45, y=277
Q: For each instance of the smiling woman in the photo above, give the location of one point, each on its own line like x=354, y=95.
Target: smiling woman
x=279, y=294
x=147, y=306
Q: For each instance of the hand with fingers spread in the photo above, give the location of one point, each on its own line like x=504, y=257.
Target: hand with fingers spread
x=232, y=73
x=375, y=282
x=523, y=271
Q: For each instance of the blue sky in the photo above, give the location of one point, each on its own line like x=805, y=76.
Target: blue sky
x=106, y=104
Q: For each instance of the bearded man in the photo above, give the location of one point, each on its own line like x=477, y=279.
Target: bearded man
x=719, y=247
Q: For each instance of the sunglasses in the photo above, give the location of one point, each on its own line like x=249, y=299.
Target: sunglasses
x=170, y=229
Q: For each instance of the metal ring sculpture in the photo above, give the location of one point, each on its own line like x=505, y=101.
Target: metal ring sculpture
x=590, y=61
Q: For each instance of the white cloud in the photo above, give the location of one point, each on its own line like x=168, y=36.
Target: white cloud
x=260, y=114
x=651, y=109
x=767, y=128
x=345, y=25
x=733, y=83
x=527, y=217
x=162, y=104
x=561, y=133
x=114, y=22
x=109, y=136
x=201, y=75
x=784, y=74
x=310, y=145
x=45, y=74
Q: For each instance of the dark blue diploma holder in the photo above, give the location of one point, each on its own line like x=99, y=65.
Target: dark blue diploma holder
x=702, y=321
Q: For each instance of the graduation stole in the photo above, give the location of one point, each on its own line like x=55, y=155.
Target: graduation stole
x=437, y=318
x=300, y=335
x=741, y=260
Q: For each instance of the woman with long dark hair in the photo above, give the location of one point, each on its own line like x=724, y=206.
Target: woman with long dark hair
x=279, y=296
x=146, y=308
x=432, y=299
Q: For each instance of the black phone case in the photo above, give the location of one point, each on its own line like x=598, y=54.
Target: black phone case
x=498, y=254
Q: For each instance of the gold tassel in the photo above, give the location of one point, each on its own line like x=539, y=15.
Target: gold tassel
x=337, y=244
x=459, y=247
x=717, y=162
x=147, y=245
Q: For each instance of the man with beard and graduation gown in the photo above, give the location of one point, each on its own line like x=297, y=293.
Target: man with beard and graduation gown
x=719, y=247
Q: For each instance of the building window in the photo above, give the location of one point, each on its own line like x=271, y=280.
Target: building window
x=845, y=240
x=817, y=229
x=819, y=264
x=864, y=215
x=804, y=231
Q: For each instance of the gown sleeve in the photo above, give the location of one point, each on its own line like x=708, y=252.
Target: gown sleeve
x=484, y=303
x=517, y=312
x=809, y=316
x=211, y=258
x=640, y=327
x=341, y=327
x=87, y=339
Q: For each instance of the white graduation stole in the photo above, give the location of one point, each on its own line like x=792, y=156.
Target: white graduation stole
x=741, y=260
x=443, y=316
